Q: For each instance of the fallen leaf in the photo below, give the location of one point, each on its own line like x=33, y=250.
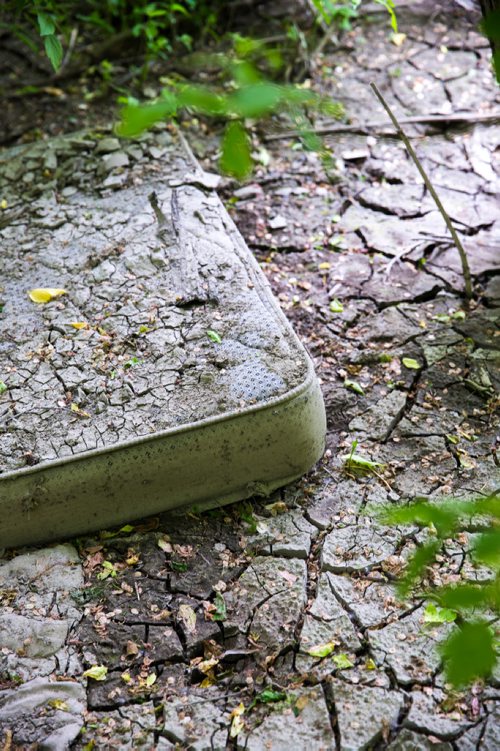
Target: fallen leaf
x=132, y=649
x=78, y=411
x=279, y=507
x=342, y=661
x=301, y=703
x=151, y=680
x=398, y=39
x=96, y=672
x=288, y=576
x=45, y=294
x=58, y=704
x=214, y=336
x=353, y=386
x=336, y=306
x=220, y=613
x=410, y=363
x=237, y=723
x=165, y=545
x=205, y=666
x=322, y=650
x=79, y=324
x=188, y=617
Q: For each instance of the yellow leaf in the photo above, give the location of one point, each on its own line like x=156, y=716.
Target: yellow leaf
x=77, y=410
x=209, y=680
x=398, y=39
x=79, y=324
x=126, y=677
x=206, y=665
x=322, y=650
x=324, y=266
x=58, y=704
x=237, y=723
x=301, y=702
x=151, y=679
x=96, y=672
x=3, y=203
x=45, y=294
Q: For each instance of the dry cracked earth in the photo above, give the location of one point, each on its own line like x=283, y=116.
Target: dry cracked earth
x=205, y=622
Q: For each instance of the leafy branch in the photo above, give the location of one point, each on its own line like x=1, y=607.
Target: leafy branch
x=470, y=652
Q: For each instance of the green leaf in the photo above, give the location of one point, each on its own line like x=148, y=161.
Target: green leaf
x=257, y=100
x=179, y=566
x=135, y=118
x=96, y=672
x=353, y=386
x=202, y=99
x=3, y=387
x=417, y=564
x=444, y=518
x=54, y=50
x=269, y=695
x=411, y=364
x=389, y=6
x=469, y=653
x=469, y=596
x=342, y=661
x=220, y=613
x=46, y=24
x=244, y=73
x=214, y=336
x=336, y=306
x=322, y=650
x=486, y=548
x=434, y=615
x=236, y=158
x=355, y=461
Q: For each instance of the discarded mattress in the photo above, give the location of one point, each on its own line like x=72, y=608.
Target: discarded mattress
x=160, y=372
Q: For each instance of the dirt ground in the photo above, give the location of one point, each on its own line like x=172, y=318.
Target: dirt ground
x=207, y=630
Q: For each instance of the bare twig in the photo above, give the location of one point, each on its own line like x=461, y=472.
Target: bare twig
x=430, y=188
x=71, y=46
x=370, y=128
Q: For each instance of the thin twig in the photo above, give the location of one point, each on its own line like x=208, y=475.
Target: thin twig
x=71, y=46
x=430, y=188
x=367, y=128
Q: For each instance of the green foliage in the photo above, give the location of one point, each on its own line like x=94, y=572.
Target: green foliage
x=242, y=94
x=491, y=27
x=158, y=26
x=339, y=13
x=469, y=653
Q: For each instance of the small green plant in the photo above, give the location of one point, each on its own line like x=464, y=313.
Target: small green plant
x=243, y=95
x=358, y=464
x=471, y=651
x=157, y=26
x=341, y=14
